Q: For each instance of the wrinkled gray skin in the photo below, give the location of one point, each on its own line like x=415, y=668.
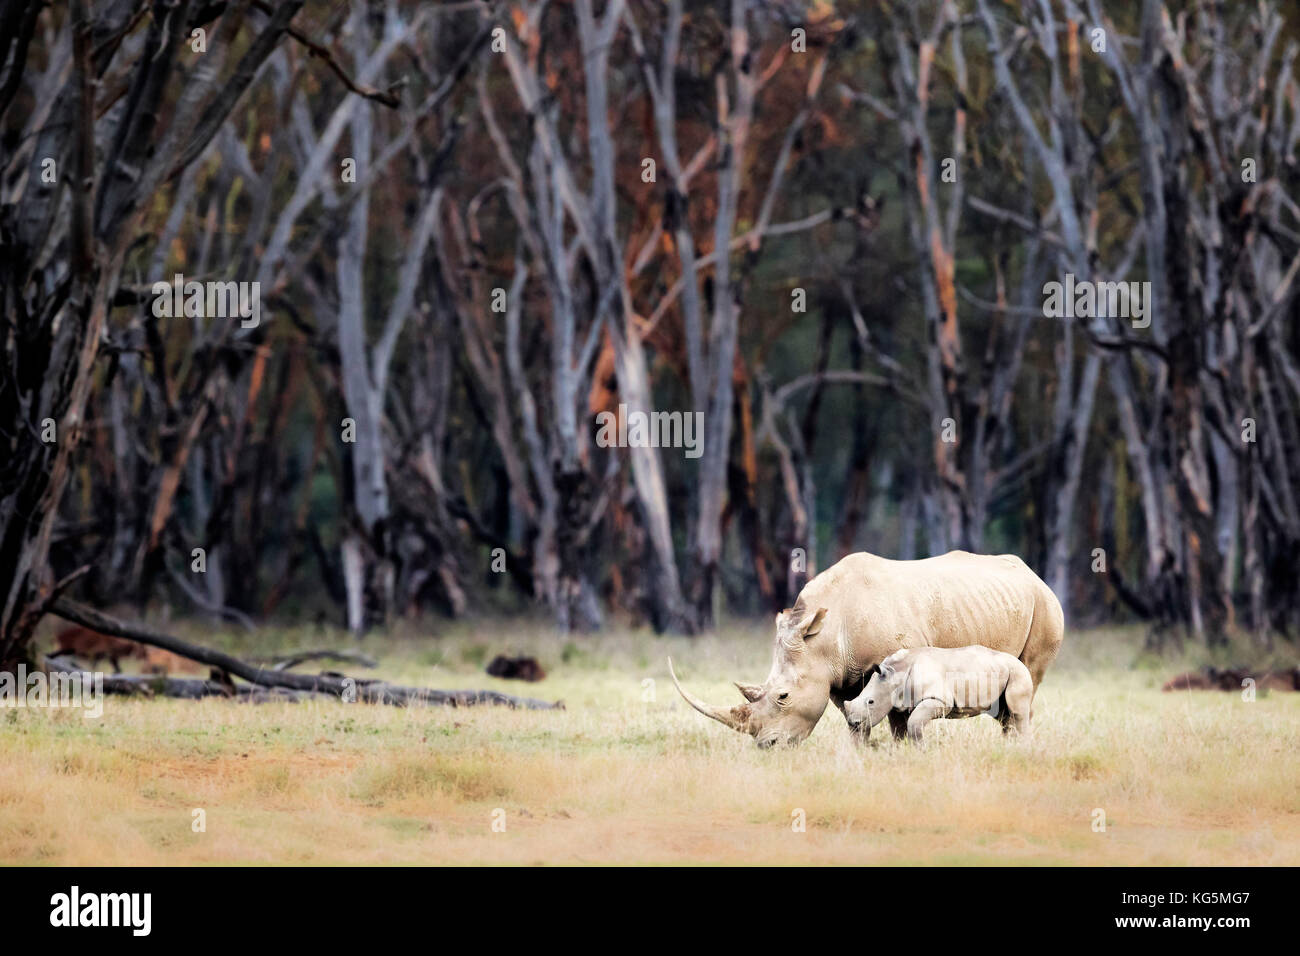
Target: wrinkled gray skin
x=922, y=684
x=857, y=612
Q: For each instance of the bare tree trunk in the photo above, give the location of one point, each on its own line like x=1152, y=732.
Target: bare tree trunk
x=1060, y=534
x=36, y=475
x=633, y=376
x=363, y=400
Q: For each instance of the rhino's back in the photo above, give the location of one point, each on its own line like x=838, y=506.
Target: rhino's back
x=952, y=600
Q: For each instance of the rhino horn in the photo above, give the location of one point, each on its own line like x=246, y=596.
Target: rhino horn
x=751, y=692
x=737, y=718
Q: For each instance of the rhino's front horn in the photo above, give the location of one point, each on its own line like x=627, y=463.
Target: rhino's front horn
x=737, y=718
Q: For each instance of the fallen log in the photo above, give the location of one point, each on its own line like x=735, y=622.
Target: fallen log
x=186, y=688
x=348, y=688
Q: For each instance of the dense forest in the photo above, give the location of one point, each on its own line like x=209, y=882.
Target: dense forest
x=318, y=308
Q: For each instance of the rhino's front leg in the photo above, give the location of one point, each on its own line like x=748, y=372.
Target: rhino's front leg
x=898, y=723
x=922, y=714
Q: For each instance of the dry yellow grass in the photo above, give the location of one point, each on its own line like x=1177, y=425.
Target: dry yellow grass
x=628, y=774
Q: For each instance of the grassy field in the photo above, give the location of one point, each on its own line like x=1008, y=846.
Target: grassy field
x=627, y=773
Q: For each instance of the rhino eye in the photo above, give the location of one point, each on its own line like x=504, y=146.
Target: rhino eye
x=782, y=697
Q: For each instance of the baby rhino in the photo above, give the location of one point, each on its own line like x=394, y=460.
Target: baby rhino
x=921, y=683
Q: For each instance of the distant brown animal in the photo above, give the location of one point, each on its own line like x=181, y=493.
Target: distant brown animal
x=516, y=668
x=1191, y=681
x=221, y=677
x=93, y=646
x=1230, y=679
x=159, y=661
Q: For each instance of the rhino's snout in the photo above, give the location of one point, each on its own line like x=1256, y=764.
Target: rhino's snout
x=855, y=714
x=768, y=741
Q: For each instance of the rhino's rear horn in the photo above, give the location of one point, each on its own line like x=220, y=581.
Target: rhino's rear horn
x=751, y=692
x=737, y=718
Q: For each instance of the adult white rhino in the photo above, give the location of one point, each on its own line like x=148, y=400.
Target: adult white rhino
x=859, y=611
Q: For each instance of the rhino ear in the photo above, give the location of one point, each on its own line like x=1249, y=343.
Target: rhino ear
x=812, y=624
x=889, y=666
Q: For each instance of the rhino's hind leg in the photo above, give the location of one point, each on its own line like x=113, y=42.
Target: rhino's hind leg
x=922, y=714
x=1046, y=632
x=1003, y=713
x=1018, y=701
